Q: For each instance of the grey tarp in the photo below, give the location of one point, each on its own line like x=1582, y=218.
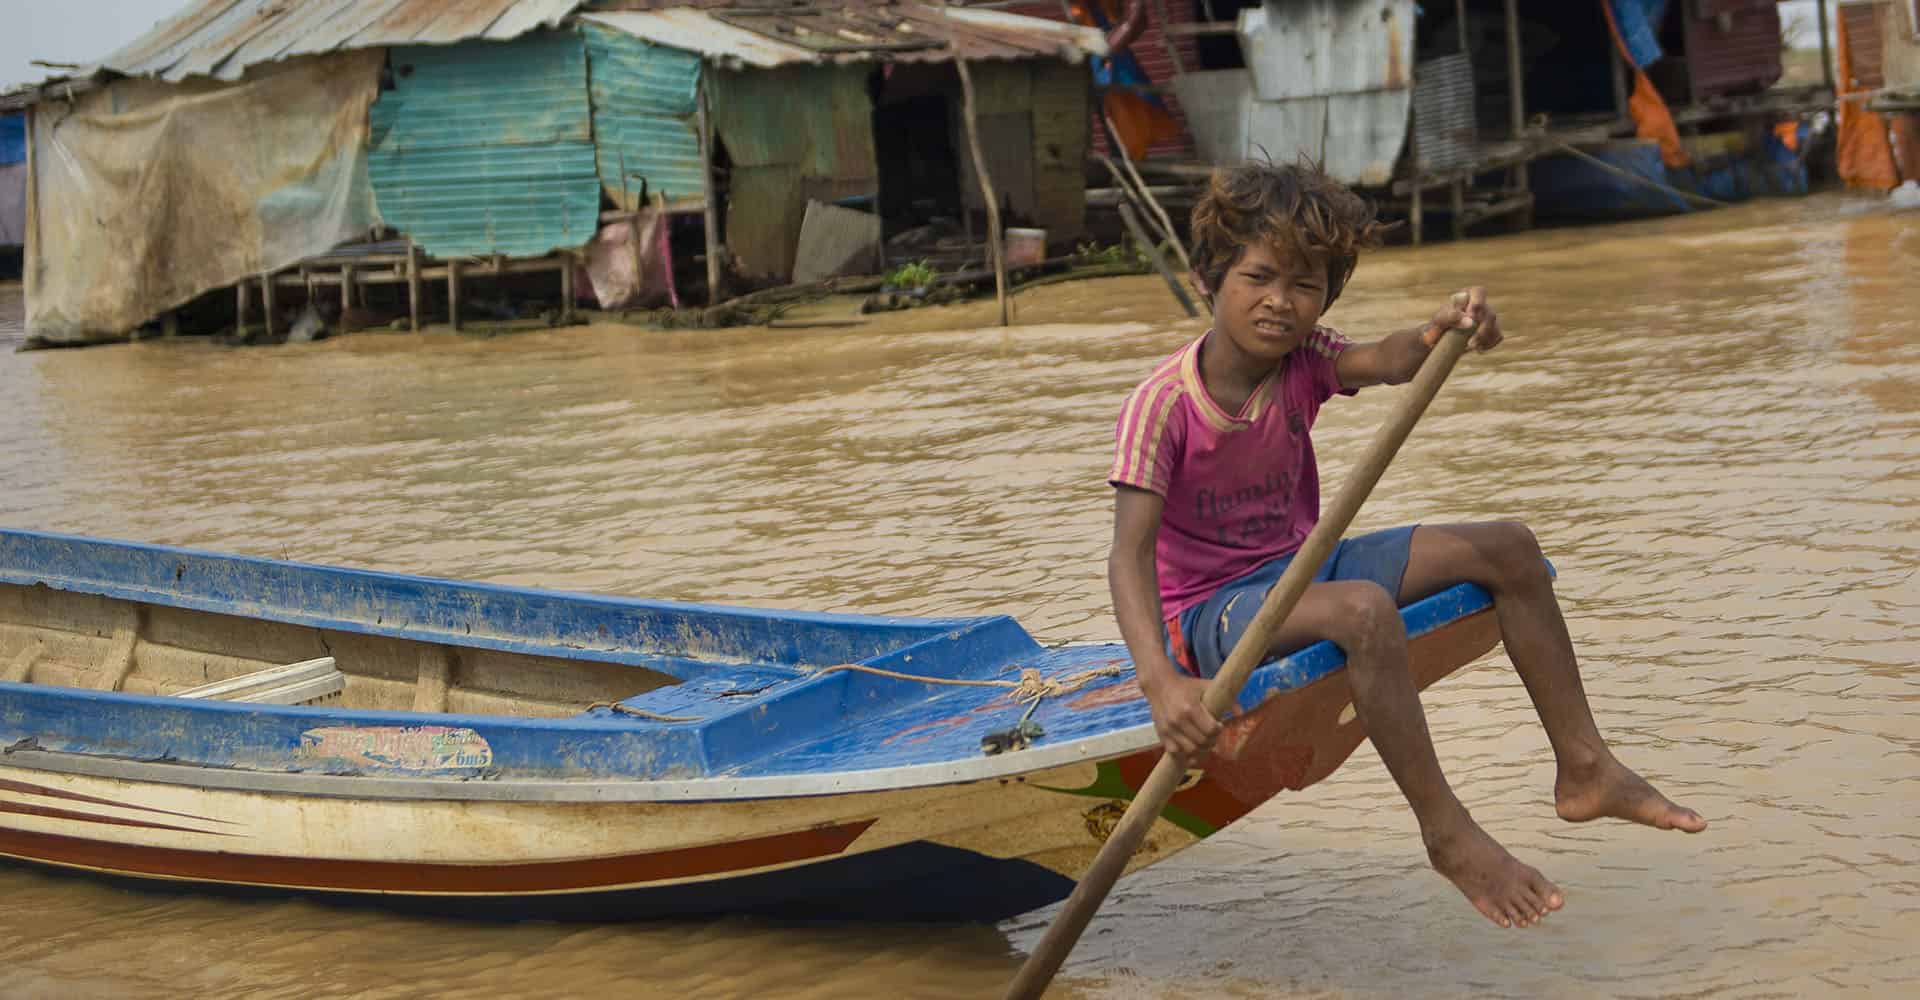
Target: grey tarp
x=13, y=204
x=146, y=195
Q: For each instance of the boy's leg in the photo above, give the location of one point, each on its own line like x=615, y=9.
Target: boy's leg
x=1504, y=558
x=1363, y=620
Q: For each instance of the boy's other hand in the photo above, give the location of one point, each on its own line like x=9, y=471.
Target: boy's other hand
x=1464, y=311
x=1185, y=727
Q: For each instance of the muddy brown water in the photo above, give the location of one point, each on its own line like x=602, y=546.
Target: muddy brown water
x=1712, y=422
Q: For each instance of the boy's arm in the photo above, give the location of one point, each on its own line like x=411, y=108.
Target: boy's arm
x=1396, y=358
x=1184, y=725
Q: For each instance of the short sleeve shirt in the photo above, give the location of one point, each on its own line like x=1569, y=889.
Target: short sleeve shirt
x=1240, y=488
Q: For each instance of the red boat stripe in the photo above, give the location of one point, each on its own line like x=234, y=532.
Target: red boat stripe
x=419, y=877
x=23, y=809
x=55, y=793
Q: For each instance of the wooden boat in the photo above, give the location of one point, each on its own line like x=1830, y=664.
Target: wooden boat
x=493, y=750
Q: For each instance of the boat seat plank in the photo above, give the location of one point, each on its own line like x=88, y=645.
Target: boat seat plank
x=292, y=684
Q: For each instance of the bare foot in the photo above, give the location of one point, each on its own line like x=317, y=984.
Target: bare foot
x=1610, y=789
x=1501, y=888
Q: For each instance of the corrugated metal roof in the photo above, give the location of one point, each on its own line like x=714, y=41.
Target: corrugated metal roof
x=221, y=38
x=901, y=32
x=644, y=116
x=484, y=148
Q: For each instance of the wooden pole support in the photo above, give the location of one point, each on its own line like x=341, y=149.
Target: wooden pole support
x=1159, y=259
x=566, y=285
x=453, y=292
x=711, y=212
x=1223, y=692
x=346, y=294
x=996, y=244
x=413, y=284
x=266, y=300
x=243, y=304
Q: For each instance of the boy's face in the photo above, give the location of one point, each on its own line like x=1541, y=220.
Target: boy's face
x=1270, y=300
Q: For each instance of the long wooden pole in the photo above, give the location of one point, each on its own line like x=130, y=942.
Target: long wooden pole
x=996, y=245
x=1224, y=691
x=710, y=210
x=1147, y=199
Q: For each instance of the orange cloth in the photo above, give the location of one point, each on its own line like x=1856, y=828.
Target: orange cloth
x=1788, y=132
x=1651, y=118
x=1138, y=123
x=1866, y=157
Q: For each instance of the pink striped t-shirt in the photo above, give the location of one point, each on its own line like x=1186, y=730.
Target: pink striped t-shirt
x=1240, y=489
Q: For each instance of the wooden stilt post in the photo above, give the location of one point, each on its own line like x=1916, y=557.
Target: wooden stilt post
x=1517, y=106
x=346, y=293
x=1417, y=214
x=413, y=284
x=243, y=295
x=566, y=287
x=266, y=300
x=712, y=209
x=1826, y=51
x=453, y=292
x=1457, y=203
x=996, y=245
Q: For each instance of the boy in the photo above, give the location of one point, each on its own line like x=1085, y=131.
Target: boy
x=1216, y=487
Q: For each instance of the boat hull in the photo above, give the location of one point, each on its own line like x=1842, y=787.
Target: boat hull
x=966, y=850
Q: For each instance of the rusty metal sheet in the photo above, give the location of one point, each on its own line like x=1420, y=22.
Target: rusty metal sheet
x=403, y=24
x=904, y=32
x=340, y=32
x=469, y=19
x=161, y=47
x=530, y=14
x=694, y=31
x=1314, y=48
x=205, y=51
x=279, y=36
x=224, y=38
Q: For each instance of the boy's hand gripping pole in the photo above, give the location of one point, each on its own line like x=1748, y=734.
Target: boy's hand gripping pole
x=1224, y=691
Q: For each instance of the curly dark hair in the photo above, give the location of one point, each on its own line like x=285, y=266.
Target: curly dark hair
x=1296, y=208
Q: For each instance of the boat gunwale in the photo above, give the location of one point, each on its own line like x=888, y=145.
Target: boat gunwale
x=1452, y=607
x=918, y=628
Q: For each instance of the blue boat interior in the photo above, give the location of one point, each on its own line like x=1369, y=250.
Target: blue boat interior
x=658, y=690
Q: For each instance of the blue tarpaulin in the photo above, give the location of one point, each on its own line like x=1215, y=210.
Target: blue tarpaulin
x=1639, y=23
x=13, y=139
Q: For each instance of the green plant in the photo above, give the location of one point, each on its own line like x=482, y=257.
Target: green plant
x=915, y=274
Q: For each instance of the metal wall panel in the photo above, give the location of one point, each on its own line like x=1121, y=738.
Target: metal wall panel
x=487, y=147
x=1743, y=58
x=1445, y=131
x=645, y=100
x=1219, y=105
x=1313, y=48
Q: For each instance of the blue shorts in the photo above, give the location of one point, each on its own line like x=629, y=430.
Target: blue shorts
x=1200, y=638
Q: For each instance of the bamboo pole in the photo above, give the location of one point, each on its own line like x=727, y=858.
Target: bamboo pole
x=453, y=292
x=1826, y=50
x=712, y=210
x=413, y=284
x=996, y=245
x=266, y=300
x=1159, y=259
x=1223, y=691
x=1516, y=99
x=1147, y=199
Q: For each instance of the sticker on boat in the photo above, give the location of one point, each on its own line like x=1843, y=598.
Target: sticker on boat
x=401, y=748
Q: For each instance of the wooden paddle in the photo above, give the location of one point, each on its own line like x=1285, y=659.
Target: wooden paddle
x=1223, y=692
